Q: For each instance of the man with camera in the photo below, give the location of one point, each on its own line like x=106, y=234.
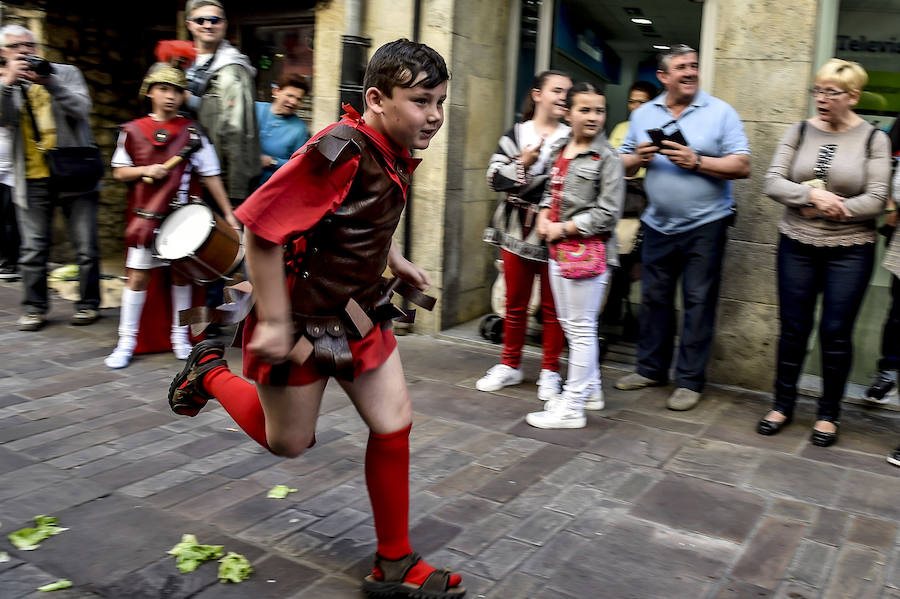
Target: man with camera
x=692, y=145
x=46, y=106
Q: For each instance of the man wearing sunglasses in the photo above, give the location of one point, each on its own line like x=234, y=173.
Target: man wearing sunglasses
x=46, y=109
x=221, y=96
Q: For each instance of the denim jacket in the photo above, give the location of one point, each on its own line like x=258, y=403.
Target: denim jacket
x=593, y=192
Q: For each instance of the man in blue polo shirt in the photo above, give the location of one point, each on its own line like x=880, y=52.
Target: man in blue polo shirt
x=690, y=206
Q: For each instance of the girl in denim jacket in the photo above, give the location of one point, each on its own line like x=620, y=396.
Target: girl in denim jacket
x=587, y=182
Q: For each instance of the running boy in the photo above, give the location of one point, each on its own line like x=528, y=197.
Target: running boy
x=153, y=190
x=318, y=237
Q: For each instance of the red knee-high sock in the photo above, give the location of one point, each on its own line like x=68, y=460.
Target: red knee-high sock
x=387, y=478
x=240, y=399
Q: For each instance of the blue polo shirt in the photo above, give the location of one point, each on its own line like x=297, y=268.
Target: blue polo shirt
x=681, y=200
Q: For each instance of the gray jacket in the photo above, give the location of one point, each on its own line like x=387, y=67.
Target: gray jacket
x=71, y=105
x=227, y=112
x=593, y=192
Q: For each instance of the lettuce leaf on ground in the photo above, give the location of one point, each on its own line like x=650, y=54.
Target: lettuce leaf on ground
x=280, y=492
x=56, y=586
x=234, y=567
x=189, y=554
x=28, y=539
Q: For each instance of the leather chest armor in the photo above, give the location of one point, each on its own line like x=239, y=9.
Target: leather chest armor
x=344, y=255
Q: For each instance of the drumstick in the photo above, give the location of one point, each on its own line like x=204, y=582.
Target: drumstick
x=192, y=146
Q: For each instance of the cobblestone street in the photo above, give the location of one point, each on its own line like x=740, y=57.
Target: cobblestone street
x=643, y=503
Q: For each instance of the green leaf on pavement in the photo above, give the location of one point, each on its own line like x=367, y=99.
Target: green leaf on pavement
x=55, y=586
x=234, y=567
x=189, y=554
x=280, y=492
x=28, y=539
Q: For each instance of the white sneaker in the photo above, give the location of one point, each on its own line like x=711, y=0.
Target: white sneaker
x=499, y=376
x=181, y=350
x=557, y=414
x=549, y=384
x=119, y=358
x=595, y=401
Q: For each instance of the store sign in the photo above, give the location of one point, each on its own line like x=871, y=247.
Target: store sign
x=859, y=43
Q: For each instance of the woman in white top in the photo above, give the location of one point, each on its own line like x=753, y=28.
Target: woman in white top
x=519, y=169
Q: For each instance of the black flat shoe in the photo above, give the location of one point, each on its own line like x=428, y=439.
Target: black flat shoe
x=821, y=439
x=770, y=427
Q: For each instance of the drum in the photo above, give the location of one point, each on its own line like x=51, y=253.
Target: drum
x=199, y=243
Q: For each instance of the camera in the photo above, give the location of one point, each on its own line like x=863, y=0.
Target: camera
x=40, y=66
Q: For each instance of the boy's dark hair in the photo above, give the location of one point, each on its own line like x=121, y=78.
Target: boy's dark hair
x=643, y=86
x=582, y=87
x=294, y=80
x=539, y=81
x=398, y=64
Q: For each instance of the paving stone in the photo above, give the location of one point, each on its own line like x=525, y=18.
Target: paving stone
x=580, y=438
x=631, y=490
x=273, y=577
x=829, y=527
x=872, y=532
x=13, y=421
x=872, y=494
x=499, y=558
x=11, y=399
x=25, y=480
x=786, y=509
x=435, y=464
x=429, y=535
x=797, y=478
x=211, y=444
x=594, y=520
x=472, y=540
x=11, y=460
x=333, y=499
x=514, y=480
x=512, y=451
x=575, y=499
x=893, y=577
x=794, y=590
x=141, y=470
x=463, y=480
x=699, y=506
x=715, y=461
x=162, y=579
x=280, y=525
x=466, y=510
x=247, y=513
x=338, y=522
x=848, y=459
x=812, y=563
x=176, y=486
x=81, y=457
x=637, y=444
x=332, y=587
x=742, y=590
x=539, y=494
x=661, y=422
x=542, y=525
x=769, y=553
x=220, y=498
x=249, y=466
x=40, y=431
x=737, y=424
x=23, y=580
x=857, y=573
x=67, y=381
x=555, y=556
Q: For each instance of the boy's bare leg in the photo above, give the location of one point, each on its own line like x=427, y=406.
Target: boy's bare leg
x=291, y=414
x=381, y=397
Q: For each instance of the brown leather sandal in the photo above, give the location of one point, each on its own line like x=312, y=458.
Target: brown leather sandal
x=392, y=584
x=188, y=399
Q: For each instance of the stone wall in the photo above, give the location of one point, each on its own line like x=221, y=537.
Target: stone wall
x=762, y=66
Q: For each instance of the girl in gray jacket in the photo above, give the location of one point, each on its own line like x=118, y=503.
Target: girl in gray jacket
x=583, y=202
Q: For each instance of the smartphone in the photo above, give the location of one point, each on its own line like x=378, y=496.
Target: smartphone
x=670, y=132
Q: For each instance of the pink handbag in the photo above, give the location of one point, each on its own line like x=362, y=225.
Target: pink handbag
x=580, y=258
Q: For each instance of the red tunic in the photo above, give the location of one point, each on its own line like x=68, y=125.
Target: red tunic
x=297, y=197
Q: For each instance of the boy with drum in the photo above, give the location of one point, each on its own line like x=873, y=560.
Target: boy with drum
x=143, y=159
x=318, y=238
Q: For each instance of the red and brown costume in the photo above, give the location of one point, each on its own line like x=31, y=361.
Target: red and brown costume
x=148, y=205
x=334, y=207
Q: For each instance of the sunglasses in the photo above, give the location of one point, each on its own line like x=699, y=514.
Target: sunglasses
x=203, y=20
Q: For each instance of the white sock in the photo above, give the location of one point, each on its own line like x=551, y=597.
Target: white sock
x=129, y=320
x=181, y=300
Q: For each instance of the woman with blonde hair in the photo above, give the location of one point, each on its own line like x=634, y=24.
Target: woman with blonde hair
x=831, y=172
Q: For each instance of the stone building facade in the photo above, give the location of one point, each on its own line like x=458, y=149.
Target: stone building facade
x=758, y=55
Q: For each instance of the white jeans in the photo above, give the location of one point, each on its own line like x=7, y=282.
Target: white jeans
x=578, y=303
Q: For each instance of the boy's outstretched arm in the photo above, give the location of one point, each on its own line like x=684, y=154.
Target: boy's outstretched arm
x=406, y=270
x=274, y=333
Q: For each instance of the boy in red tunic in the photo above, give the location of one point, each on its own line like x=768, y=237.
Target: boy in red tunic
x=143, y=147
x=318, y=238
